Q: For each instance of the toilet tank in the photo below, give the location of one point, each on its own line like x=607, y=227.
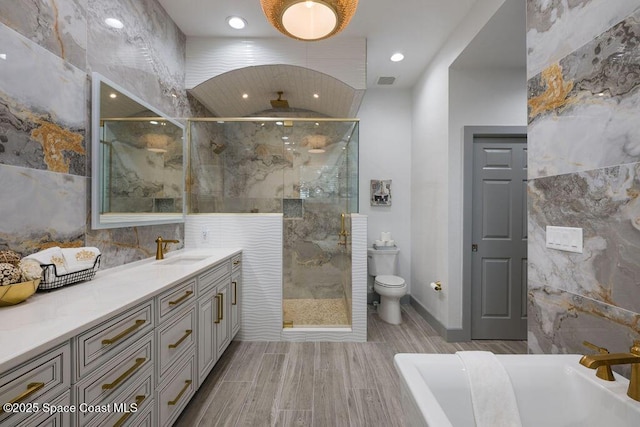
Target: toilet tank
x=382, y=261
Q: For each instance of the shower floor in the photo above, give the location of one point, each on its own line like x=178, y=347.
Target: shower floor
x=316, y=312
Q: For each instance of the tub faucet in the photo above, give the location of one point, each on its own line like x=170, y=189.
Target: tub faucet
x=161, y=249
x=633, y=357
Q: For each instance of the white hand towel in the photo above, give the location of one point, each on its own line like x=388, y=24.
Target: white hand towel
x=53, y=255
x=492, y=396
x=80, y=258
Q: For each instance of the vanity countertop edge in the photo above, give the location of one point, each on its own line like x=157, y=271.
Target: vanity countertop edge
x=48, y=319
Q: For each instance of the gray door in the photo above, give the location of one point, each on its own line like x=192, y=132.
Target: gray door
x=499, y=239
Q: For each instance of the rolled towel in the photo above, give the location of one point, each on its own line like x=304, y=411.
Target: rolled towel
x=80, y=258
x=492, y=396
x=52, y=255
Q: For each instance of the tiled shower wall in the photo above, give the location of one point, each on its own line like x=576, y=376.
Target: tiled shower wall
x=584, y=149
x=50, y=48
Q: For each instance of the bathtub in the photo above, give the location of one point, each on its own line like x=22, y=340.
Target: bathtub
x=550, y=390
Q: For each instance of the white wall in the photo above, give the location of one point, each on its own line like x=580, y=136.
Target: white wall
x=496, y=97
x=385, y=153
x=431, y=228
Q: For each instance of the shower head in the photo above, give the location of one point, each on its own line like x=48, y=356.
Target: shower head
x=279, y=103
x=218, y=148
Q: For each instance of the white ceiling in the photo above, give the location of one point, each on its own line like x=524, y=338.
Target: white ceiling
x=417, y=29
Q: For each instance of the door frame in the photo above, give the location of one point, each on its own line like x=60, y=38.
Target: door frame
x=470, y=133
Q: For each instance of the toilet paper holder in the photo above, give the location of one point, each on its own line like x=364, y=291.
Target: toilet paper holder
x=436, y=286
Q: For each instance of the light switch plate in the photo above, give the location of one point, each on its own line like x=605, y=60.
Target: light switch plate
x=564, y=238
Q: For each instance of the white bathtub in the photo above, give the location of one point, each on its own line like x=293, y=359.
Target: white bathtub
x=551, y=390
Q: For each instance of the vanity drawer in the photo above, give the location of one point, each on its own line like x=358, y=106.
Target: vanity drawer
x=146, y=417
x=104, y=384
x=174, y=339
x=208, y=280
x=236, y=262
x=177, y=391
x=129, y=405
x=98, y=344
x=177, y=297
x=56, y=419
x=38, y=381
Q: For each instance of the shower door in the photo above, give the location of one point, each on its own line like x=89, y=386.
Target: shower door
x=320, y=192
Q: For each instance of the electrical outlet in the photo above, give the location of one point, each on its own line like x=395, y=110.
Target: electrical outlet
x=204, y=234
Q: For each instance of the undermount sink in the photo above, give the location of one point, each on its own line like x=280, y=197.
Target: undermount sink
x=182, y=260
x=550, y=390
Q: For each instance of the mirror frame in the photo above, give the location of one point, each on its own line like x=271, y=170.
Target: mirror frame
x=97, y=174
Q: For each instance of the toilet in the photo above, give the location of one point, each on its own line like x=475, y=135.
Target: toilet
x=382, y=266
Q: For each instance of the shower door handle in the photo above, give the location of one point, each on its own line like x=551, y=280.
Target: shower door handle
x=343, y=231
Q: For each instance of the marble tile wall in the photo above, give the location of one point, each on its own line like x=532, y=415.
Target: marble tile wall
x=49, y=48
x=584, y=98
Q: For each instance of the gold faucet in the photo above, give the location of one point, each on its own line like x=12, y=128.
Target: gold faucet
x=633, y=358
x=603, y=372
x=160, y=249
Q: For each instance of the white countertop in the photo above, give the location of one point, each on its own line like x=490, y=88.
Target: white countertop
x=47, y=319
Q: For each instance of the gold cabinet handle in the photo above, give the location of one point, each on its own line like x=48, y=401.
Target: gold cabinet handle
x=184, y=337
x=124, y=333
x=217, y=297
x=221, y=311
x=187, y=383
x=31, y=388
x=235, y=293
x=126, y=375
x=182, y=298
x=125, y=417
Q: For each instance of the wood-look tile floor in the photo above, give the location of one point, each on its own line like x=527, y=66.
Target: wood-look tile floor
x=319, y=384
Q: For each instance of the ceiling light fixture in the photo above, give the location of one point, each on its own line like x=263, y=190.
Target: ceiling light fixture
x=245, y=95
x=114, y=23
x=397, y=57
x=236, y=22
x=309, y=19
x=315, y=95
x=113, y=95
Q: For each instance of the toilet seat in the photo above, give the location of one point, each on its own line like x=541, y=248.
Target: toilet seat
x=388, y=281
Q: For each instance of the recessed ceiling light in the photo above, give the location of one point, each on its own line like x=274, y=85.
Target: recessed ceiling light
x=153, y=122
x=397, y=57
x=245, y=95
x=315, y=95
x=3, y=56
x=285, y=138
x=114, y=23
x=279, y=123
x=113, y=95
x=236, y=22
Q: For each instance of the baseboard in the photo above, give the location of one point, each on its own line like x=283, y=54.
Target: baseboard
x=449, y=335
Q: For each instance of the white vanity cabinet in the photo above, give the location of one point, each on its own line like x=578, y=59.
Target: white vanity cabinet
x=42, y=379
x=140, y=362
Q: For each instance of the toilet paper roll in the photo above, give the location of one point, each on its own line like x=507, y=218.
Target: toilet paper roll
x=385, y=235
x=436, y=286
x=380, y=243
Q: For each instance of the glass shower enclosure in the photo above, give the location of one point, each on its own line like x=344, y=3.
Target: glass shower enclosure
x=307, y=170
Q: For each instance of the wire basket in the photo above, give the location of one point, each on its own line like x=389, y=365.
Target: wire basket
x=51, y=280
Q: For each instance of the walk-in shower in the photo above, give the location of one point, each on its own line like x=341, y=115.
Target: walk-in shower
x=305, y=169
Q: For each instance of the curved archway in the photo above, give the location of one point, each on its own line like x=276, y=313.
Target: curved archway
x=222, y=94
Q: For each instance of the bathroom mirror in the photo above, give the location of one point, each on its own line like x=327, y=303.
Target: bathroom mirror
x=138, y=154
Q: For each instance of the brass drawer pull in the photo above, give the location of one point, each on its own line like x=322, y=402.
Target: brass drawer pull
x=31, y=388
x=236, y=262
x=184, y=337
x=124, y=333
x=182, y=298
x=187, y=383
x=217, y=297
x=235, y=293
x=125, y=417
x=126, y=375
x=221, y=308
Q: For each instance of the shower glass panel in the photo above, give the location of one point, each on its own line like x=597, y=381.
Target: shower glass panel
x=304, y=168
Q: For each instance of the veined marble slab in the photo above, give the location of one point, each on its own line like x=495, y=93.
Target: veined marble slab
x=556, y=28
x=41, y=209
x=583, y=110
x=42, y=108
x=606, y=204
x=59, y=26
